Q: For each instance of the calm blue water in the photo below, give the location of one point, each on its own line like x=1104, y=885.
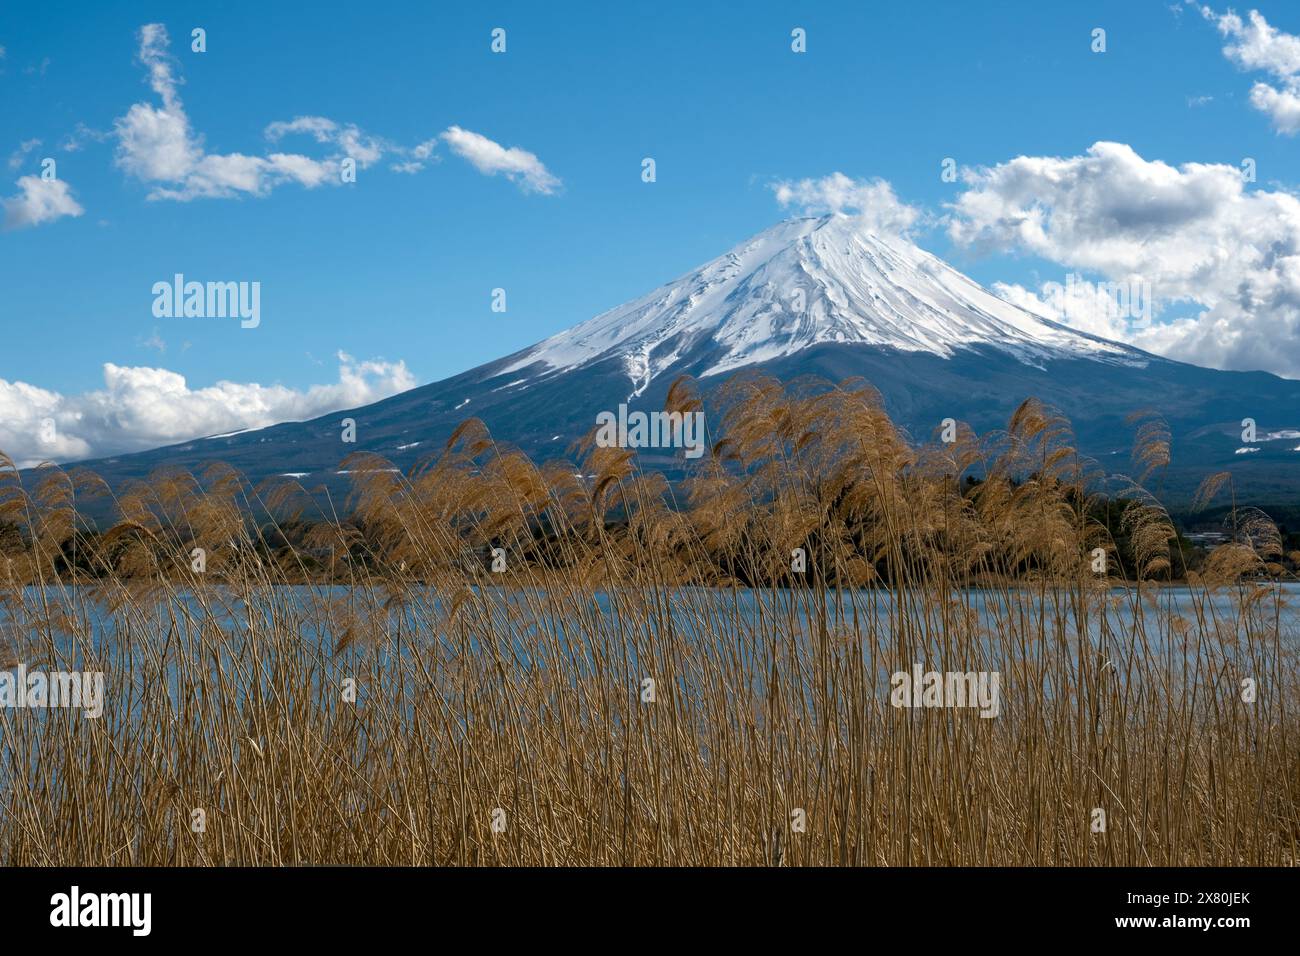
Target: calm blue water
x=318, y=614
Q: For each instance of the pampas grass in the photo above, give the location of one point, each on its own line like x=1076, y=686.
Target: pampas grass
x=525, y=691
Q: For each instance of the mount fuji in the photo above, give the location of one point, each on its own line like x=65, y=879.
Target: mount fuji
x=813, y=296
x=800, y=284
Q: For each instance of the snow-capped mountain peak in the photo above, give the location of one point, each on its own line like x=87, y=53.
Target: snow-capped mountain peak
x=806, y=282
x=931, y=342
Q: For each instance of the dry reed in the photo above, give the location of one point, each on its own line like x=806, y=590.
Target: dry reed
x=522, y=691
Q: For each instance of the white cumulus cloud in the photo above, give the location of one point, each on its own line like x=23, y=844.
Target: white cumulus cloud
x=872, y=200
x=140, y=408
x=1088, y=311
x=1283, y=106
x=1193, y=233
x=39, y=201
x=1256, y=45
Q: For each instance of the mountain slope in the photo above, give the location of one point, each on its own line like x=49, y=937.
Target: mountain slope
x=806, y=297
x=803, y=283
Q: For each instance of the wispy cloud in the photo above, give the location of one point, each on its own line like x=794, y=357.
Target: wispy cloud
x=521, y=167
x=420, y=155
x=77, y=139
x=18, y=156
x=354, y=144
x=155, y=341
x=157, y=145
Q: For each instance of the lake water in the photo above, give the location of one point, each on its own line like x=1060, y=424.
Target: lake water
x=318, y=613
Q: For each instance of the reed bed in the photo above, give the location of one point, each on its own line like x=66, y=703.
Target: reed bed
x=367, y=689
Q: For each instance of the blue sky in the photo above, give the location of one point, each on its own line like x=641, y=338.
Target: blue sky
x=400, y=266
